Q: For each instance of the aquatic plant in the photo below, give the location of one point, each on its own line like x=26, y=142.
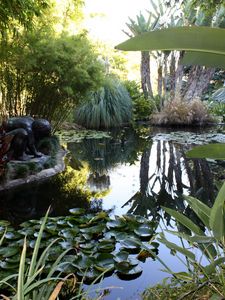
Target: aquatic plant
x=84, y=244
x=109, y=107
x=210, y=243
x=30, y=281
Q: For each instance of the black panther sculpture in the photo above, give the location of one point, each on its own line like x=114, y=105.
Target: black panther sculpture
x=20, y=135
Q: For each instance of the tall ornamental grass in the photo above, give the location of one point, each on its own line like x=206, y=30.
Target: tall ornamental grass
x=109, y=107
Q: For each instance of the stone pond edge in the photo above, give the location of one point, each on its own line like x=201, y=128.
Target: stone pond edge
x=40, y=176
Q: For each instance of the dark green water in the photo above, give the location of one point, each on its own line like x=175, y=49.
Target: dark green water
x=129, y=172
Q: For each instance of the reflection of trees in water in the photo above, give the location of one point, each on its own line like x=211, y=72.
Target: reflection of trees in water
x=104, y=154
x=165, y=175
x=63, y=191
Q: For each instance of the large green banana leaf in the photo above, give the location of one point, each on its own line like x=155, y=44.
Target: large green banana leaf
x=204, y=59
x=203, y=45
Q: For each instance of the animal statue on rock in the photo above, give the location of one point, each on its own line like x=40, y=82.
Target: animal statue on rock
x=19, y=137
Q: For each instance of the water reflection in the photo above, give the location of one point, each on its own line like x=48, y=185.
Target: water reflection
x=165, y=176
x=103, y=155
x=64, y=191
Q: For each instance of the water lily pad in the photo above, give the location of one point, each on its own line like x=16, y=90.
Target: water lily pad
x=104, y=261
x=77, y=211
x=125, y=266
x=100, y=216
x=121, y=256
x=53, y=253
x=12, y=235
x=26, y=231
x=131, y=244
x=45, y=235
x=8, y=266
x=116, y=224
x=119, y=236
x=131, y=274
x=143, y=231
x=89, y=275
x=93, y=229
x=61, y=221
x=106, y=245
x=66, y=244
x=69, y=233
x=87, y=246
x=13, y=259
x=83, y=262
x=9, y=251
x=52, y=228
x=87, y=236
x=4, y=223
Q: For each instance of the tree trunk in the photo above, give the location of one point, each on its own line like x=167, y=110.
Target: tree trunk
x=198, y=80
x=145, y=74
x=144, y=169
x=179, y=77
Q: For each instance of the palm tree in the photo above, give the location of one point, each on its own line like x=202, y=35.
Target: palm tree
x=141, y=25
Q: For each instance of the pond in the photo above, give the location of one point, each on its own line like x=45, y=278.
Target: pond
x=124, y=172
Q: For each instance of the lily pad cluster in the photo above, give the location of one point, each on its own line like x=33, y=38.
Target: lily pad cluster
x=96, y=244
x=187, y=138
x=79, y=135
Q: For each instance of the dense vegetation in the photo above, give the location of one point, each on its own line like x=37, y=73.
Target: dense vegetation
x=48, y=71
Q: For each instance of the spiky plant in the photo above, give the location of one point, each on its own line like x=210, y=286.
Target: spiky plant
x=109, y=107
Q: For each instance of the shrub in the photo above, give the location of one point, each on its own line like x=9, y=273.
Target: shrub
x=217, y=109
x=49, y=76
x=109, y=107
x=179, y=112
x=142, y=108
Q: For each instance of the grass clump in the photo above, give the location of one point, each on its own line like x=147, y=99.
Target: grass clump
x=170, y=291
x=179, y=112
x=109, y=107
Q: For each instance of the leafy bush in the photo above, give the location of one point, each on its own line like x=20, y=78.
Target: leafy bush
x=48, y=76
x=217, y=109
x=109, y=107
x=142, y=108
x=179, y=112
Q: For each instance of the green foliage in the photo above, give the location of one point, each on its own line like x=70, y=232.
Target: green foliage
x=84, y=244
x=30, y=283
x=217, y=109
x=202, y=50
x=207, y=6
x=47, y=76
x=173, y=291
x=22, y=12
x=211, y=242
x=68, y=71
x=142, y=107
x=109, y=107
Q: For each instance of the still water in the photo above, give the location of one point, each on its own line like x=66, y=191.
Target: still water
x=129, y=171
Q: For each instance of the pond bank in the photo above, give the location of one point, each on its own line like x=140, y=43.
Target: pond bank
x=39, y=176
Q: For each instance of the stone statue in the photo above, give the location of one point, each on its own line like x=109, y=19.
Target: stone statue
x=20, y=135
